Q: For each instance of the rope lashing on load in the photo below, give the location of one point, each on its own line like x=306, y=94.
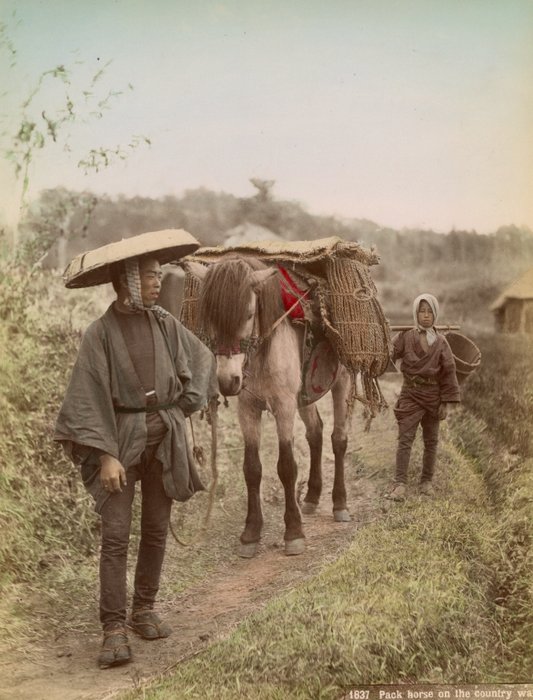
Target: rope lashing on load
x=343, y=296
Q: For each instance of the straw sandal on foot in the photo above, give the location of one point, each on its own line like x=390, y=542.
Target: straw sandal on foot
x=426, y=488
x=115, y=648
x=148, y=625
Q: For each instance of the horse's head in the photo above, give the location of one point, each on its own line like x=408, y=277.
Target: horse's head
x=231, y=307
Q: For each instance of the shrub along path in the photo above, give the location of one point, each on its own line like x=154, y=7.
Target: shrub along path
x=208, y=590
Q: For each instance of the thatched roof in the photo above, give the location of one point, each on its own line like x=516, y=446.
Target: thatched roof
x=246, y=232
x=521, y=288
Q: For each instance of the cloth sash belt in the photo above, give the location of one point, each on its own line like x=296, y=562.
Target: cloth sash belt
x=145, y=409
x=417, y=381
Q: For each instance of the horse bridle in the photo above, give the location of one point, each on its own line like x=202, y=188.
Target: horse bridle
x=250, y=345
x=243, y=347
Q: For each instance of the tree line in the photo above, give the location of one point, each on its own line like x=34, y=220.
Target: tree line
x=466, y=269
x=86, y=221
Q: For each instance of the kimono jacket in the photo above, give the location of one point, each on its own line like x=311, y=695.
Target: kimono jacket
x=436, y=365
x=103, y=378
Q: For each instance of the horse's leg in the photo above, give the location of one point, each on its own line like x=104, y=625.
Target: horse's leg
x=339, y=440
x=250, y=421
x=285, y=414
x=313, y=433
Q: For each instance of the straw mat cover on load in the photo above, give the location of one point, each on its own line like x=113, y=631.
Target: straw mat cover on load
x=299, y=252
x=350, y=311
x=93, y=267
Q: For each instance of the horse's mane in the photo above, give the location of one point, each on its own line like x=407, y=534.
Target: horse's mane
x=225, y=294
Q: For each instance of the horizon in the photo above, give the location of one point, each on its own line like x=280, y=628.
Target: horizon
x=345, y=220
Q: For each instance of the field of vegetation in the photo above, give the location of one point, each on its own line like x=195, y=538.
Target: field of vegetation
x=433, y=592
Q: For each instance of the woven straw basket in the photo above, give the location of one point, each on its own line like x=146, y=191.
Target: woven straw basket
x=466, y=354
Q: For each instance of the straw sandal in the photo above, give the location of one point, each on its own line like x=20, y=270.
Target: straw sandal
x=148, y=625
x=115, y=648
x=426, y=488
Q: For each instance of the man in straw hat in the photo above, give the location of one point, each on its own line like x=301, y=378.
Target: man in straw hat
x=139, y=373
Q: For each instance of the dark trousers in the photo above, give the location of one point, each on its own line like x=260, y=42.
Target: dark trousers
x=116, y=521
x=430, y=435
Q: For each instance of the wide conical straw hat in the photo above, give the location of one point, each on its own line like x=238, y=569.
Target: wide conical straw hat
x=94, y=266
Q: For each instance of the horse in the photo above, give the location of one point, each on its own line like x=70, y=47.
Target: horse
x=259, y=359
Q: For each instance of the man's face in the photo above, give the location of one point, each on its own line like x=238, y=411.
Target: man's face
x=151, y=275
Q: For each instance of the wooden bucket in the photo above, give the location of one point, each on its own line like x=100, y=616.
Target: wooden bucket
x=466, y=354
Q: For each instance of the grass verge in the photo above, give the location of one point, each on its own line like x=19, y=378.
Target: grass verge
x=509, y=482
x=500, y=393
x=497, y=436
x=48, y=525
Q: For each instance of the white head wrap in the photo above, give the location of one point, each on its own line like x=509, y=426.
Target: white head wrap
x=133, y=279
x=431, y=333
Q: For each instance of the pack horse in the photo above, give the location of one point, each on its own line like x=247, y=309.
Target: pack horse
x=259, y=359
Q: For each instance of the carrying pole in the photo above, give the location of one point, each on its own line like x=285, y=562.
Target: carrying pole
x=439, y=328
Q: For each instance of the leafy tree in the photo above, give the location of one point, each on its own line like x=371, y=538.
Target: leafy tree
x=57, y=217
x=41, y=120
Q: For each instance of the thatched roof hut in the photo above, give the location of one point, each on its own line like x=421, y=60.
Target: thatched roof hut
x=248, y=232
x=513, y=309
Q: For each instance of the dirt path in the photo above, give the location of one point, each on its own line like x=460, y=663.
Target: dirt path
x=63, y=667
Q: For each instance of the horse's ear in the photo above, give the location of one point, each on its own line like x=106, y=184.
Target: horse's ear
x=195, y=269
x=261, y=276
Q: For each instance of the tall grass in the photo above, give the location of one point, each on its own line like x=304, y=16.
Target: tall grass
x=509, y=482
x=47, y=521
x=497, y=436
x=501, y=392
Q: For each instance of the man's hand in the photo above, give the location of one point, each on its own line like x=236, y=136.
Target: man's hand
x=112, y=474
x=443, y=411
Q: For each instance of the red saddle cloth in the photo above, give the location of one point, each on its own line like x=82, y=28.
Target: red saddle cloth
x=290, y=293
x=320, y=363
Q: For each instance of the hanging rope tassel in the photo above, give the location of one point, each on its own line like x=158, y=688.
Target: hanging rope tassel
x=212, y=419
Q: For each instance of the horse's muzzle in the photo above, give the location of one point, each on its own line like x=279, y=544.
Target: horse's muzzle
x=230, y=374
x=230, y=386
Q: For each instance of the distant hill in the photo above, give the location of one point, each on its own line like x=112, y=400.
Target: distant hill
x=464, y=269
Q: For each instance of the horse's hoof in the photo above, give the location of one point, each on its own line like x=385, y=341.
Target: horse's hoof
x=248, y=550
x=309, y=508
x=341, y=516
x=293, y=547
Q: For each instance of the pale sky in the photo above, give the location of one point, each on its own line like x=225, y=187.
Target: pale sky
x=406, y=112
